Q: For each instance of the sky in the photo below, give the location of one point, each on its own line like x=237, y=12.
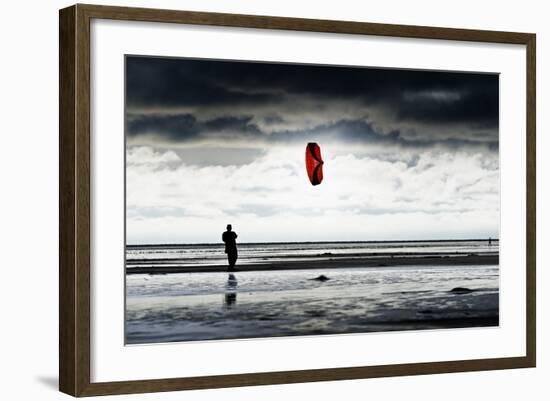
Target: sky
x=408, y=154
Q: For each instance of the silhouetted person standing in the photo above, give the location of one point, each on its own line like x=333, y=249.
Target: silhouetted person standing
x=229, y=237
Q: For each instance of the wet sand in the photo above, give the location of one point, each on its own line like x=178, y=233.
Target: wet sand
x=255, y=304
x=332, y=261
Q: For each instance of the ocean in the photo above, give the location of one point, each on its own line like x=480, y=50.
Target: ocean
x=261, y=253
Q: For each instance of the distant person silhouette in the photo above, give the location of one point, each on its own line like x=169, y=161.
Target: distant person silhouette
x=229, y=237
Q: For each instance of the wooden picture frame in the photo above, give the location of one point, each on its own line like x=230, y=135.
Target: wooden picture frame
x=74, y=200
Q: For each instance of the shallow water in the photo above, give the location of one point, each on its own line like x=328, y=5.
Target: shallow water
x=205, y=306
x=213, y=254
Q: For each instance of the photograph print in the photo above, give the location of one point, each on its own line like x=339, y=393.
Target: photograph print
x=283, y=199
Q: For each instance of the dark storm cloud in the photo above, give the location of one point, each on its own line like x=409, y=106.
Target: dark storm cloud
x=362, y=131
x=165, y=82
x=185, y=129
x=477, y=107
x=273, y=119
x=417, y=98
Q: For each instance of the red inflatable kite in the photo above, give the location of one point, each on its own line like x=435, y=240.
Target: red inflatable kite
x=314, y=163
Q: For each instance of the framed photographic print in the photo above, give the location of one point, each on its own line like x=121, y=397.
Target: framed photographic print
x=310, y=199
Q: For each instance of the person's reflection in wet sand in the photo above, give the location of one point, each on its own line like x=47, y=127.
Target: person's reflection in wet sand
x=230, y=297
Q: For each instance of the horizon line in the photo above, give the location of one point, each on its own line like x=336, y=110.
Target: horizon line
x=317, y=242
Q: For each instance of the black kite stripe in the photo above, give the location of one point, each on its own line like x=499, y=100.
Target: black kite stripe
x=316, y=175
x=311, y=148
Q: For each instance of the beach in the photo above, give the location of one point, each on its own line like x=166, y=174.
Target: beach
x=162, y=259
x=166, y=267
x=295, y=290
